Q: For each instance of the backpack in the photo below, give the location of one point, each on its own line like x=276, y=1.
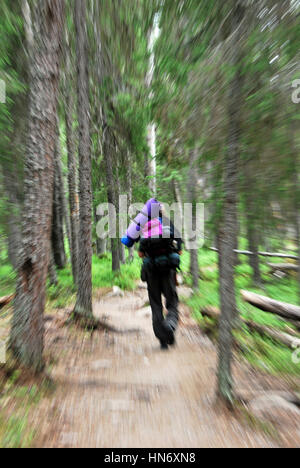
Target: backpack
x=158, y=242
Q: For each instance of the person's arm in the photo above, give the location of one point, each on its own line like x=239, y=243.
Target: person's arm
x=142, y=248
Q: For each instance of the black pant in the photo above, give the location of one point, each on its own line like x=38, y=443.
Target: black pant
x=163, y=284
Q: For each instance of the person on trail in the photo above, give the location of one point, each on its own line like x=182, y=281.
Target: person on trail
x=160, y=248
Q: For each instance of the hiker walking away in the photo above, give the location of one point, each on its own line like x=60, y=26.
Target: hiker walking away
x=160, y=248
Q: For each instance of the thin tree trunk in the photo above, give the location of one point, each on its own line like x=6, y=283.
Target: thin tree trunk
x=252, y=234
x=295, y=176
x=150, y=162
x=253, y=247
x=109, y=148
x=44, y=40
x=192, y=199
x=72, y=177
x=14, y=228
x=178, y=198
x=118, y=188
x=66, y=217
x=100, y=243
x=227, y=234
x=83, y=307
x=52, y=271
x=129, y=193
x=58, y=244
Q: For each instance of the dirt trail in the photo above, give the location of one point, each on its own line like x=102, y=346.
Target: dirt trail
x=121, y=390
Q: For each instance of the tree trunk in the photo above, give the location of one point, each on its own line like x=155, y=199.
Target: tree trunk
x=118, y=189
x=27, y=333
x=129, y=193
x=228, y=230
x=262, y=254
x=192, y=199
x=296, y=197
x=83, y=307
x=52, y=271
x=151, y=165
x=100, y=243
x=252, y=233
x=109, y=148
x=14, y=228
x=58, y=243
x=150, y=162
x=72, y=176
x=178, y=198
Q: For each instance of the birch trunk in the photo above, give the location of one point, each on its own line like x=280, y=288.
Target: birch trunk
x=150, y=162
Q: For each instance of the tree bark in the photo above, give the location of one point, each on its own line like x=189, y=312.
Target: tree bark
x=72, y=174
x=52, y=271
x=228, y=230
x=14, y=216
x=100, y=243
x=118, y=190
x=58, y=243
x=129, y=193
x=192, y=199
x=287, y=311
x=283, y=267
x=27, y=333
x=281, y=337
x=150, y=162
x=252, y=233
x=109, y=148
x=262, y=254
x=296, y=195
x=83, y=307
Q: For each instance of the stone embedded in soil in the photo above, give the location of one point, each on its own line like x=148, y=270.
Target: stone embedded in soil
x=116, y=292
x=145, y=312
x=117, y=405
x=101, y=364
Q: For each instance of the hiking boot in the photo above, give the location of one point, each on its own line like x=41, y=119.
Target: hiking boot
x=172, y=340
x=169, y=333
x=164, y=346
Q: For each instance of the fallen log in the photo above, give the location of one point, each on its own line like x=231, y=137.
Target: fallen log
x=281, y=337
x=283, y=267
x=283, y=309
x=4, y=301
x=211, y=312
x=290, y=341
x=261, y=254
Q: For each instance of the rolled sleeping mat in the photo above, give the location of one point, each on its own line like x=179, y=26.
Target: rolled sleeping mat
x=150, y=210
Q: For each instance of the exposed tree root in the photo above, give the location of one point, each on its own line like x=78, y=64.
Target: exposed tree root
x=92, y=324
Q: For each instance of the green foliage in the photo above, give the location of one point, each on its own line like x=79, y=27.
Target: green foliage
x=259, y=351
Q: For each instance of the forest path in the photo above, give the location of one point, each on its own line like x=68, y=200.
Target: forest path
x=121, y=391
